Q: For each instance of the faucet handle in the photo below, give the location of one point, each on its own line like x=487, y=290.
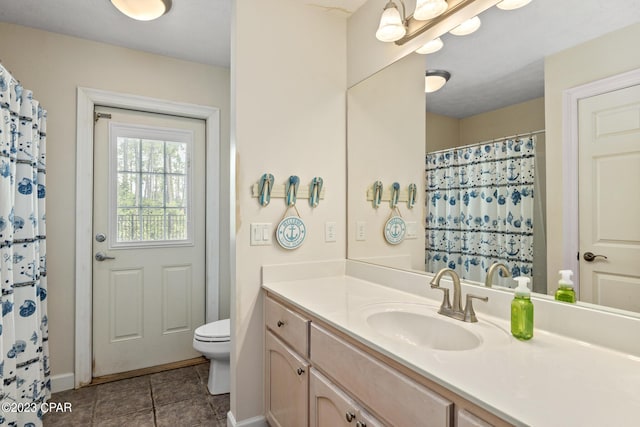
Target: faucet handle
x=446, y=304
x=469, y=314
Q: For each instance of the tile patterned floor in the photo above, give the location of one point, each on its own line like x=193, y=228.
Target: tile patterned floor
x=173, y=398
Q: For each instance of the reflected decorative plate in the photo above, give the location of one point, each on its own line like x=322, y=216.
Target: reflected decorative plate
x=291, y=232
x=395, y=230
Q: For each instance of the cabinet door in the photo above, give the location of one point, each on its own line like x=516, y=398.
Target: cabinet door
x=331, y=407
x=467, y=419
x=286, y=385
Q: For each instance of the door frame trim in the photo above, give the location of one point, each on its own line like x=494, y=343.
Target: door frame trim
x=570, y=217
x=87, y=99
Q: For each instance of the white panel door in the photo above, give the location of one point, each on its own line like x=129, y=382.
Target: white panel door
x=609, y=178
x=148, y=239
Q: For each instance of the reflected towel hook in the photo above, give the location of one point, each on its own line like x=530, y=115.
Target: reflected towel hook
x=265, y=187
x=395, y=194
x=314, y=191
x=377, y=193
x=292, y=190
x=411, y=198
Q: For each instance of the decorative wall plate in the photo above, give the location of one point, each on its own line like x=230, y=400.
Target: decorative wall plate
x=395, y=230
x=291, y=232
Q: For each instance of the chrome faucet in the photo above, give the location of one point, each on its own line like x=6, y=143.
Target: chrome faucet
x=455, y=311
x=496, y=265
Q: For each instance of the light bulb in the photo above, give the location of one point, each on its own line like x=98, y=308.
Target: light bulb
x=391, y=26
x=429, y=9
x=143, y=10
x=430, y=46
x=467, y=27
x=435, y=79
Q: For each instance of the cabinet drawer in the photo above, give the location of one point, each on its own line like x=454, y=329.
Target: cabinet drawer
x=397, y=398
x=467, y=419
x=287, y=325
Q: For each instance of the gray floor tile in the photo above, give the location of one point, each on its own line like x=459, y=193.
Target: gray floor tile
x=203, y=372
x=220, y=404
x=124, y=402
x=182, y=374
x=78, y=417
x=85, y=396
x=137, y=383
x=138, y=419
x=175, y=391
x=193, y=412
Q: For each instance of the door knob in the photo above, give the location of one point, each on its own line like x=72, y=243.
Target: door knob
x=100, y=256
x=590, y=256
x=101, y=237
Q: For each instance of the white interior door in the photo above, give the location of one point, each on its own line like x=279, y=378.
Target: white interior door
x=148, y=239
x=609, y=178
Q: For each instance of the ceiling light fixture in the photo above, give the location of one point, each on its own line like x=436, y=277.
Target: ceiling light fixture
x=435, y=79
x=431, y=46
x=143, y=10
x=512, y=4
x=467, y=27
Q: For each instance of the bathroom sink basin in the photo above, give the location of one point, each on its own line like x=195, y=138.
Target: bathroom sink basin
x=423, y=330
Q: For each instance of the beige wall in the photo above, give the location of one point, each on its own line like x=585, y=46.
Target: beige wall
x=606, y=56
x=524, y=117
x=289, y=84
x=53, y=66
x=385, y=134
x=447, y=132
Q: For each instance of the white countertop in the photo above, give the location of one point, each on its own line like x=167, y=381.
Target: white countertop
x=550, y=380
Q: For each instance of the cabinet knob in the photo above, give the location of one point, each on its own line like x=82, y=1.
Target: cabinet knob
x=361, y=424
x=350, y=416
x=300, y=371
x=280, y=323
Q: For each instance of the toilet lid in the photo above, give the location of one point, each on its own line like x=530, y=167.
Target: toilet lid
x=214, y=331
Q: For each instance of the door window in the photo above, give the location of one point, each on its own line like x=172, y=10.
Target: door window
x=150, y=176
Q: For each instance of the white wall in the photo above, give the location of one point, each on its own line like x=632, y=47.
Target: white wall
x=289, y=85
x=612, y=54
x=53, y=66
x=385, y=133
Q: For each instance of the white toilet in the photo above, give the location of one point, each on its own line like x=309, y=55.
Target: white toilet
x=213, y=340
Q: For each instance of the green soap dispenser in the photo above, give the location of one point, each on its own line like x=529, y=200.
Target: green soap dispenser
x=565, y=290
x=522, y=311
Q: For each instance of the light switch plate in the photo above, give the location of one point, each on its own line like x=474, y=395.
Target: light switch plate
x=261, y=234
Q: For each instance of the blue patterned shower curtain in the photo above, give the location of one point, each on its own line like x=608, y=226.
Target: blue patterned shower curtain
x=24, y=352
x=480, y=208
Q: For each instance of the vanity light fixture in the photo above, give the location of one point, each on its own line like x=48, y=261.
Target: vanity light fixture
x=435, y=79
x=392, y=25
x=512, y=4
x=429, y=9
x=467, y=27
x=143, y=10
x=430, y=46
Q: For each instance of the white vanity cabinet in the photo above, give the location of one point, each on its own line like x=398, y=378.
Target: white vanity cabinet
x=318, y=376
x=329, y=406
x=286, y=366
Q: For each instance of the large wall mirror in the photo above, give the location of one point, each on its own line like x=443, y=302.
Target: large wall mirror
x=499, y=116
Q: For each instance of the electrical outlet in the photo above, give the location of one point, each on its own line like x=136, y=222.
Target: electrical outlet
x=412, y=230
x=330, y=232
x=361, y=231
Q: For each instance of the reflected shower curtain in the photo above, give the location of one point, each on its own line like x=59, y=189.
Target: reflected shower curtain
x=24, y=352
x=480, y=208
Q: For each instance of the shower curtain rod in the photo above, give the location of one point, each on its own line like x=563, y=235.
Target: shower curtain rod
x=535, y=132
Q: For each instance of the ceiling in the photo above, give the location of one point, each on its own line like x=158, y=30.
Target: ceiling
x=501, y=64
x=193, y=30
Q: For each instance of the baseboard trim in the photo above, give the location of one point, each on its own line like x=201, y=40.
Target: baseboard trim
x=62, y=382
x=250, y=422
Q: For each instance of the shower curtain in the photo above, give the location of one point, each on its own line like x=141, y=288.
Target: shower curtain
x=480, y=204
x=24, y=352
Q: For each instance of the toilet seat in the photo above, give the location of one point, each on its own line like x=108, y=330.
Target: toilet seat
x=218, y=331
